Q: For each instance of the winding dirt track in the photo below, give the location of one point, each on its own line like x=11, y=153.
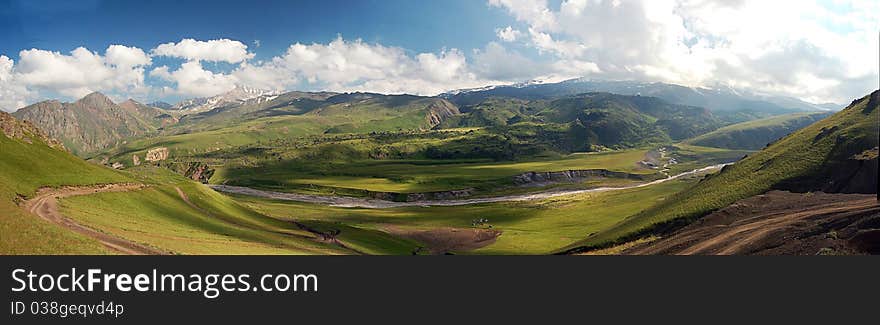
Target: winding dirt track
x=354, y=202
x=759, y=224
x=45, y=205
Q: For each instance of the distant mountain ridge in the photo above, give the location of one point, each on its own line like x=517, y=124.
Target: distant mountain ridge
x=718, y=99
x=238, y=95
x=160, y=104
x=596, y=114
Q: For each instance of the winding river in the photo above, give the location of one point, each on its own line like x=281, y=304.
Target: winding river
x=354, y=202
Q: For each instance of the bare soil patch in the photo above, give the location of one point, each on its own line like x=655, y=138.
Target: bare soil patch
x=447, y=240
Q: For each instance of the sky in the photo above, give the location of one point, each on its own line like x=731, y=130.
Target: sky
x=823, y=51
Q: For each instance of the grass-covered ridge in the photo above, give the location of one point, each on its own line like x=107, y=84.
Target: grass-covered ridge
x=28, y=163
x=198, y=221
x=755, y=135
x=805, y=160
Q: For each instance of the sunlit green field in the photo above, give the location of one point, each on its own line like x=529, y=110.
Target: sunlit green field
x=159, y=217
x=533, y=227
x=407, y=176
x=202, y=221
x=218, y=224
x=26, y=167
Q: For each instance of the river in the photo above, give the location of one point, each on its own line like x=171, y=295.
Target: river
x=354, y=202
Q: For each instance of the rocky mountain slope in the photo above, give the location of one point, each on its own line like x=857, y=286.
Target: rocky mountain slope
x=148, y=114
x=26, y=131
x=92, y=123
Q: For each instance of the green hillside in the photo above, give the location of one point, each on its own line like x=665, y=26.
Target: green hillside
x=27, y=163
x=172, y=214
x=286, y=118
x=754, y=135
x=594, y=120
x=836, y=154
x=310, y=131
x=200, y=221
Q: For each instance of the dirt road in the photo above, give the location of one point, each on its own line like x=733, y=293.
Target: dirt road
x=354, y=202
x=45, y=205
x=778, y=223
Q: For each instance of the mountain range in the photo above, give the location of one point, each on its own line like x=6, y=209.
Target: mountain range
x=611, y=114
x=237, y=96
x=739, y=105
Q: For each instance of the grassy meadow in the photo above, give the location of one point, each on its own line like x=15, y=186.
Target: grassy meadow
x=409, y=176
x=529, y=227
x=26, y=167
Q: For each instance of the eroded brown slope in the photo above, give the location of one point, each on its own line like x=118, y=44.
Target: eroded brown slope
x=780, y=223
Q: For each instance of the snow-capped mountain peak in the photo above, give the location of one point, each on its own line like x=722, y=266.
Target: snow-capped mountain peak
x=238, y=95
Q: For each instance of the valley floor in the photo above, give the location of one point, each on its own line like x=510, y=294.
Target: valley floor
x=173, y=214
x=354, y=202
x=176, y=215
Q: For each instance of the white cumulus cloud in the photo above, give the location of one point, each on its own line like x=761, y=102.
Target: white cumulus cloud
x=81, y=72
x=816, y=51
x=12, y=95
x=219, y=50
x=359, y=66
x=193, y=80
x=508, y=34
x=124, y=56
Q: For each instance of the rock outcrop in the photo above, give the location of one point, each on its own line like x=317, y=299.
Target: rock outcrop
x=194, y=170
x=424, y=196
x=439, y=111
x=570, y=176
x=157, y=154
x=26, y=131
x=199, y=172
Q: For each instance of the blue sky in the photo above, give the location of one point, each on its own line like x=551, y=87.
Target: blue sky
x=420, y=26
x=151, y=50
